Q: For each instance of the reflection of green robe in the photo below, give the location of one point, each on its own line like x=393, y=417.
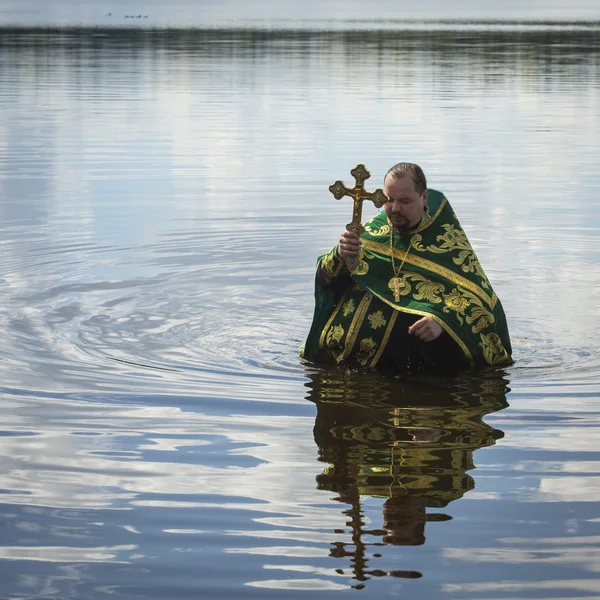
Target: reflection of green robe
x=440, y=278
x=385, y=437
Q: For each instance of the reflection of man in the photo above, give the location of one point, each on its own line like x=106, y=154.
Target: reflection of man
x=409, y=442
x=418, y=296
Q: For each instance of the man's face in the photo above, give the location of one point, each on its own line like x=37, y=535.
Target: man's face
x=405, y=207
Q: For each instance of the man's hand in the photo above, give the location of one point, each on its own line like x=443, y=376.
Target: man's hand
x=349, y=245
x=426, y=329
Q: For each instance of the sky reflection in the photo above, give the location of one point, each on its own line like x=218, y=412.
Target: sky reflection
x=163, y=197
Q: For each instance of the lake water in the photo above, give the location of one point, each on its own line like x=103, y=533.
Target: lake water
x=163, y=197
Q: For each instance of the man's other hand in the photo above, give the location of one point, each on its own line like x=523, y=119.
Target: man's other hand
x=349, y=245
x=426, y=329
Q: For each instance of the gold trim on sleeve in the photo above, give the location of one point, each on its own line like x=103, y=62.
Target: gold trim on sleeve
x=331, y=263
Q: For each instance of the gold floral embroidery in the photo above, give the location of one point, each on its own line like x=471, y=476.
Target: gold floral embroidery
x=334, y=335
x=460, y=300
x=493, y=350
x=427, y=289
x=376, y=319
x=367, y=349
x=328, y=263
x=469, y=263
x=457, y=302
x=480, y=316
x=348, y=308
x=384, y=230
x=455, y=240
x=367, y=345
x=428, y=265
x=363, y=268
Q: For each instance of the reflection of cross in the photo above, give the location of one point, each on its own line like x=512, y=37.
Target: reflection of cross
x=358, y=194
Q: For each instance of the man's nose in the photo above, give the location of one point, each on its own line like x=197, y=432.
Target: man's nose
x=397, y=207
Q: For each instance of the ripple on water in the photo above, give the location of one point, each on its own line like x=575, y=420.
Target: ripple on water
x=544, y=359
x=181, y=323
x=184, y=321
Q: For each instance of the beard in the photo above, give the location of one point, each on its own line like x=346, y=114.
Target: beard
x=401, y=224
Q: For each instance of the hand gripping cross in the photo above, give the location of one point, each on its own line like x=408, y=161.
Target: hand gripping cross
x=358, y=194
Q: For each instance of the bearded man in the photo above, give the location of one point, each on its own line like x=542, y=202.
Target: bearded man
x=417, y=297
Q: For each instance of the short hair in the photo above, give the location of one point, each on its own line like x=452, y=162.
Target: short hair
x=403, y=168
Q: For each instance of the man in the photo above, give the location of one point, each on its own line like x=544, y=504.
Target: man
x=417, y=297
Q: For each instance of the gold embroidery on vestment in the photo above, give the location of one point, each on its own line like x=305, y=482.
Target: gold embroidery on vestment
x=460, y=300
x=457, y=302
x=428, y=265
x=327, y=263
x=438, y=211
x=367, y=348
x=331, y=263
x=384, y=230
x=330, y=321
x=362, y=268
x=354, y=328
x=376, y=319
x=455, y=240
x=426, y=289
x=348, y=307
x=493, y=350
x=334, y=335
x=479, y=316
x=435, y=318
x=385, y=339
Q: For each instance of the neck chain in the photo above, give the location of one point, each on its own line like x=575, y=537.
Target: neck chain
x=398, y=284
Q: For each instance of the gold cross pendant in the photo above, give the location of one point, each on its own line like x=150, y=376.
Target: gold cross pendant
x=397, y=284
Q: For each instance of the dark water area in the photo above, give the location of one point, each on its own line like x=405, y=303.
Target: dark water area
x=163, y=198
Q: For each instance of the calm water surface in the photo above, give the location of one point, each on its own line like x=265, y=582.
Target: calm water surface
x=163, y=197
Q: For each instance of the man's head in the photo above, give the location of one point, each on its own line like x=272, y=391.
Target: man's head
x=406, y=187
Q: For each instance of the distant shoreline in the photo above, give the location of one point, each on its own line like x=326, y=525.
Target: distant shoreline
x=316, y=25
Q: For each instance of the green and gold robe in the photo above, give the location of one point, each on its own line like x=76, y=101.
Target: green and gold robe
x=440, y=278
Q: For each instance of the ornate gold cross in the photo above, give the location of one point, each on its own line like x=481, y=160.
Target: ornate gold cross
x=359, y=195
x=397, y=284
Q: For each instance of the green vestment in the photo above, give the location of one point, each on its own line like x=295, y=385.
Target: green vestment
x=440, y=278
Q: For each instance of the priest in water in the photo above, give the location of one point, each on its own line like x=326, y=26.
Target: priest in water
x=404, y=291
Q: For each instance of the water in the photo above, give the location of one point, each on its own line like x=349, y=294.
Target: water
x=163, y=196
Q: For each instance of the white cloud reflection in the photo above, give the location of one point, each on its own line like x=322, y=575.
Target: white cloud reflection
x=68, y=554
x=60, y=469
x=579, y=585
